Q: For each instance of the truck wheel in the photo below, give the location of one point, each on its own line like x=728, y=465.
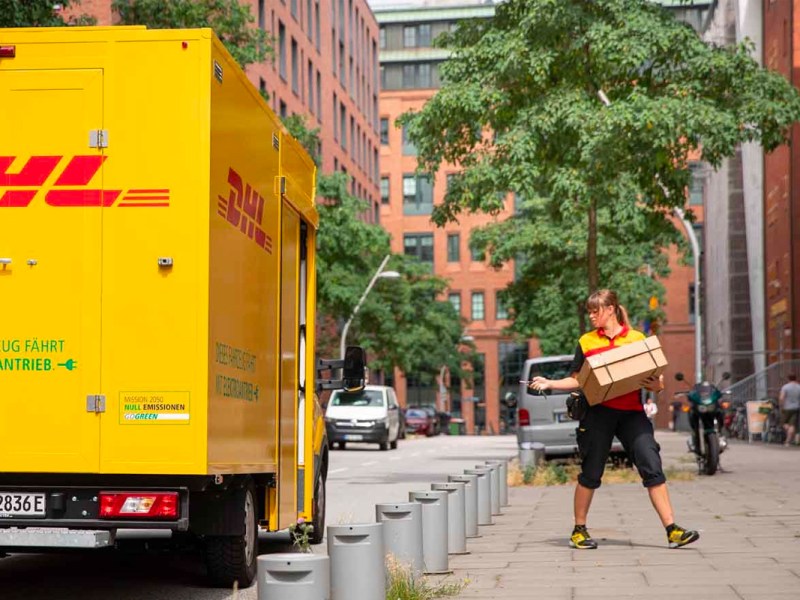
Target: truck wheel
x=318, y=510
x=233, y=558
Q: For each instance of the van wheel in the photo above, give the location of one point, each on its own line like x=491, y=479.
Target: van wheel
x=232, y=558
x=342, y=445
x=393, y=445
x=384, y=446
x=318, y=510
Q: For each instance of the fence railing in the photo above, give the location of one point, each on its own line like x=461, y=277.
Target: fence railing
x=764, y=384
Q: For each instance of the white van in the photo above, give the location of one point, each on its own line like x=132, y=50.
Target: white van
x=371, y=415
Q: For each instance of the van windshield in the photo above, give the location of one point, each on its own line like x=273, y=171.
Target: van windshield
x=362, y=398
x=557, y=369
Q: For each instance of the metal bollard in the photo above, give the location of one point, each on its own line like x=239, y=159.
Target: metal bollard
x=531, y=454
x=402, y=533
x=293, y=576
x=456, y=518
x=434, y=530
x=484, y=495
x=495, y=497
x=503, y=479
x=470, y=502
x=357, y=549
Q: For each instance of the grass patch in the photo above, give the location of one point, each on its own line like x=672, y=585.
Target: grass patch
x=562, y=473
x=402, y=585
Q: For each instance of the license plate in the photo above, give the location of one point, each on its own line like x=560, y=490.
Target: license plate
x=354, y=437
x=562, y=417
x=21, y=504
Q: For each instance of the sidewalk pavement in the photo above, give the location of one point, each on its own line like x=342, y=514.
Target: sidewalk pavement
x=748, y=517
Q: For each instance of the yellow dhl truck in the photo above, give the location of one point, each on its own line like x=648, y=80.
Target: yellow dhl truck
x=157, y=277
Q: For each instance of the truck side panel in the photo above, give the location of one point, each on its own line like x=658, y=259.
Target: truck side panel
x=244, y=299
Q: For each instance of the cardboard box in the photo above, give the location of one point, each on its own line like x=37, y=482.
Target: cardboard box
x=618, y=371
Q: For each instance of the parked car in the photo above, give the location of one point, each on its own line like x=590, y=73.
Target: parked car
x=437, y=422
x=543, y=417
x=419, y=420
x=371, y=415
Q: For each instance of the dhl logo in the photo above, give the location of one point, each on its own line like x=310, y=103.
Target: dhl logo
x=22, y=186
x=244, y=209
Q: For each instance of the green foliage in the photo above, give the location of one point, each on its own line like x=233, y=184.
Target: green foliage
x=37, y=13
x=532, y=76
x=401, y=323
x=401, y=584
x=231, y=20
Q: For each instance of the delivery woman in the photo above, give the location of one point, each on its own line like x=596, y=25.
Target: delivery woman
x=623, y=417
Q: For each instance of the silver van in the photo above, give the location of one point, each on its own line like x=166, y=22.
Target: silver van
x=543, y=417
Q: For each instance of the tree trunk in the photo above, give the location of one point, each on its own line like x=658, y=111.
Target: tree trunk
x=582, y=316
x=591, y=248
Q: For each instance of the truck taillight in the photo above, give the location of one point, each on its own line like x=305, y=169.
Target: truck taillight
x=8, y=51
x=524, y=417
x=142, y=505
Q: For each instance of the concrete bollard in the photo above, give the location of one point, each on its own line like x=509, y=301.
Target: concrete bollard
x=456, y=518
x=531, y=454
x=402, y=533
x=503, y=480
x=434, y=530
x=470, y=502
x=484, y=495
x=494, y=499
x=293, y=576
x=357, y=549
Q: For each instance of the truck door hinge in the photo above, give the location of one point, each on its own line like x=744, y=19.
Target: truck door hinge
x=96, y=403
x=98, y=138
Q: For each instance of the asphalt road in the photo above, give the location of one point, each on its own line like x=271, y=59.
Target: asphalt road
x=359, y=477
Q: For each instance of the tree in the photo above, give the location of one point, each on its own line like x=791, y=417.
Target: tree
x=230, y=20
x=522, y=108
x=401, y=323
x=37, y=13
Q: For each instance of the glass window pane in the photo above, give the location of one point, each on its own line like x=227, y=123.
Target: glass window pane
x=385, y=190
x=455, y=300
x=453, y=247
x=500, y=308
x=409, y=149
x=384, y=130
x=477, y=306
x=409, y=37
x=424, y=35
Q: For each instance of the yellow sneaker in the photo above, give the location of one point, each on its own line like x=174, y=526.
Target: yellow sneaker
x=581, y=540
x=681, y=537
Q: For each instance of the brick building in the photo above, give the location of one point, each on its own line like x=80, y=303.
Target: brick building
x=325, y=67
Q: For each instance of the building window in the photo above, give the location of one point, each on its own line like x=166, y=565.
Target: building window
x=282, y=50
x=383, y=77
x=385, y=130
x=384, y=190
x=309, y=19
x=319, y=96
x=316, y=25
x=343, y=125
x=453, y=247
x=696, y=185
x=455, y=300
x=262, y=16
x=262, y=87
x=424, y=35
x=293, y=8
x=419, y=245
x=333, y=52
x=409, y=149
x=382, y=38
x=417, y=75
x=335, y=120
x=417, y=195
x=478, y=312
x=501, y=312
x=295, y=69
x=692, y=315
x=410, y=37
x=282, y=109
x=311, y=87
x=475, y=255
x=341, y=65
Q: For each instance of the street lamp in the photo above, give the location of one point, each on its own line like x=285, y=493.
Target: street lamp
x=379, y=274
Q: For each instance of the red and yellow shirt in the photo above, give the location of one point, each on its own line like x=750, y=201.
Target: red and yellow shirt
x=596, y=342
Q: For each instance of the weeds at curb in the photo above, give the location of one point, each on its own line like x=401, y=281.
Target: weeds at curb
x=402, y=585
x=552, y=473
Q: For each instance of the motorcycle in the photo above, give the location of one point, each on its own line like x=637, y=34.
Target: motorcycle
x=705, y=412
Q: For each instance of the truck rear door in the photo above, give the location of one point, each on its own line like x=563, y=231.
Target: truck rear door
x=50, y=235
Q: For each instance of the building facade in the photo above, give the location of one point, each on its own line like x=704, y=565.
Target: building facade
x=409, y=72
x=324, y=67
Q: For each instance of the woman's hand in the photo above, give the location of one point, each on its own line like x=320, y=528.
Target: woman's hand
x=653, y=384
x=540, y=384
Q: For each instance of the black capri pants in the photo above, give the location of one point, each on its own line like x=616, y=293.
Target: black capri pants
x=633, y=429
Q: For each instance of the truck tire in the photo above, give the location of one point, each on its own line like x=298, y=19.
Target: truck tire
x=232, y=558
x=318, y=510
